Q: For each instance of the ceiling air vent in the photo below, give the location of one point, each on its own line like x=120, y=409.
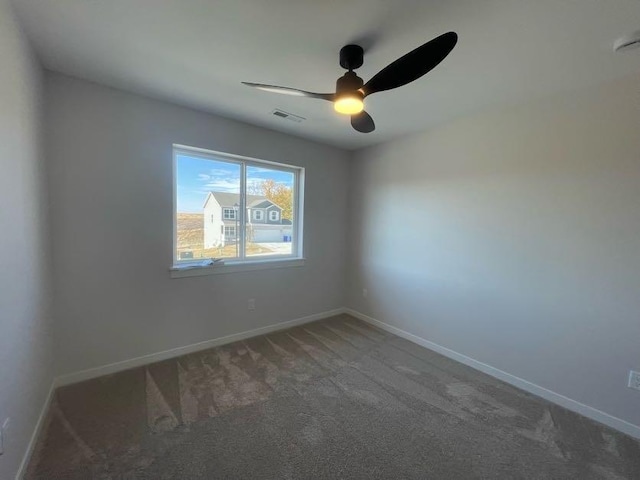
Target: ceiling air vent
x=288, y=116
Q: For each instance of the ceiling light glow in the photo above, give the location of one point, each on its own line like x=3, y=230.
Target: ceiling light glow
x=349, y=104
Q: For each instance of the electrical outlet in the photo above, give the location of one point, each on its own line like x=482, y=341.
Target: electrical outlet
x=251, y=304
x=3, y=434
x=634, y=380
x=365, y=293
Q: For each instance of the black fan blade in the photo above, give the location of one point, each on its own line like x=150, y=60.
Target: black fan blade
x=291, y=91
x=413, y=65
x=363, y=122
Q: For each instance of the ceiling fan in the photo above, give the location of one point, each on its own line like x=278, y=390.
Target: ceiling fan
x=351, y=89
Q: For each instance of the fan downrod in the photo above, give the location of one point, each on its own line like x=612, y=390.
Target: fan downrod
x=351, y=57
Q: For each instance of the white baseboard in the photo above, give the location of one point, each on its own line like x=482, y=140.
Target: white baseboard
x=36, y=433
x=75, y=377
x=568, y=403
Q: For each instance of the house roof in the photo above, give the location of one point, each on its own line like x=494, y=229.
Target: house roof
x=260, y=203
x=226, y=199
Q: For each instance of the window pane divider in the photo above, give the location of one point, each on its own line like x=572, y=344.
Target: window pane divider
x=242, y=220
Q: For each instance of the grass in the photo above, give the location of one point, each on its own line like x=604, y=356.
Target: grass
x=190, y=232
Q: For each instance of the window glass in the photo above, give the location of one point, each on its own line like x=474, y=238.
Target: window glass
x=216, y=187
x=266, y=187
x=229, y=213
x=205, y=188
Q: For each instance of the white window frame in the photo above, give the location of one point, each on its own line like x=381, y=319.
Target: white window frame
x=228, y=213
x=229, y=228
x=182, y=268
x=274, y=215
x=258, y=215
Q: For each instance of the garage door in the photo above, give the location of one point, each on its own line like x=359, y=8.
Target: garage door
x=270, y=235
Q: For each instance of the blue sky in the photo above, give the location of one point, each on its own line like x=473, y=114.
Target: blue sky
x=196, y=177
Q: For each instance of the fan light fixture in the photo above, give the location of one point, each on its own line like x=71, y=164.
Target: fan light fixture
x=349, y=103
x=351, y=90
x=349, y=95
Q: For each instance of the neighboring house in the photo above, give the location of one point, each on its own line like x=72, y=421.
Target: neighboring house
x=264, y=220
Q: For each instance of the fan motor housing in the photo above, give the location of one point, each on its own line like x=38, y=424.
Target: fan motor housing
x=351, y=57
x=349, y=82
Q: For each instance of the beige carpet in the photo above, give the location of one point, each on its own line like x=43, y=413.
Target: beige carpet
x=332, y=399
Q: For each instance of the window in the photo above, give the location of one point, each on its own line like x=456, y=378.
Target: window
x=225, y=189
x=229, y=213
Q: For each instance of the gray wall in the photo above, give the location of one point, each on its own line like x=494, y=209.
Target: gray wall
x=111, y=197
x=25, y=322
x=513, y=237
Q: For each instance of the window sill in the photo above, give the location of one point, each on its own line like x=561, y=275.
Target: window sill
x=191, y=270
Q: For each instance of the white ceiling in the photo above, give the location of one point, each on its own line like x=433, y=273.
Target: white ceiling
x=196, y=53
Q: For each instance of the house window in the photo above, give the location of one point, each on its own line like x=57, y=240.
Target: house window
x=229, y=213
x=208, y=183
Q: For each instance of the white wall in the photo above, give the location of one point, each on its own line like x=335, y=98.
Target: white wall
x=111, y=197
x=513, y=237
x=25, y=323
